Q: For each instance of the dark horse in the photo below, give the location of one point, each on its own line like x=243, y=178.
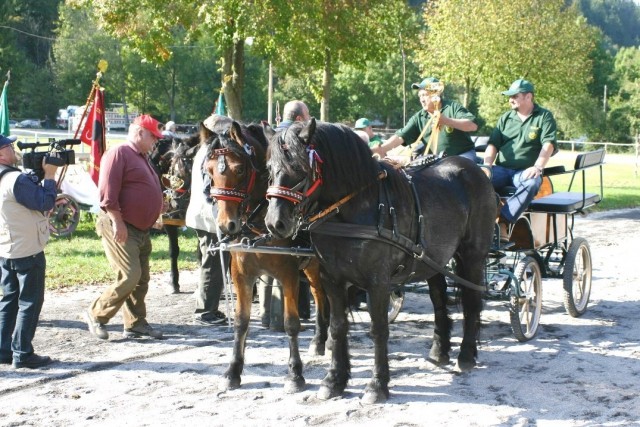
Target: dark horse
x=376, y=225
x=237, y=167
x=166, y=156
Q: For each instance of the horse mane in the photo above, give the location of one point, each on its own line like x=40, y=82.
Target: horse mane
x=347, y=162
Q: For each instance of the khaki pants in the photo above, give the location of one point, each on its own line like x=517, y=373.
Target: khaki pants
x=130, y=261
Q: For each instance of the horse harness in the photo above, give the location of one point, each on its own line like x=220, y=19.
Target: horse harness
x=241, y=193
x=317, y=223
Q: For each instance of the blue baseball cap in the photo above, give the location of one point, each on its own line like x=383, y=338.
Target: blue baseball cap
x=7, y=140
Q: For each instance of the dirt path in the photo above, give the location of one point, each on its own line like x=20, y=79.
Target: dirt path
x=576, y=372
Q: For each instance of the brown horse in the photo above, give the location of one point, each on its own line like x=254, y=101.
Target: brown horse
x=237, y=167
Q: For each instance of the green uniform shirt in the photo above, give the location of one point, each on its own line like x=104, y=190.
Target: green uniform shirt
x=451, y=141
x=375, y=141
x=519, y=143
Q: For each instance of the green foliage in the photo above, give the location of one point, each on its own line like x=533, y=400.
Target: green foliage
x=490, y=43
x=618, y=19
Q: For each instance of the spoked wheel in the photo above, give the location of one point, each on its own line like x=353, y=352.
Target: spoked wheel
x=525, y=310
x=64, y=216
x=577, y=277
x=396, y=299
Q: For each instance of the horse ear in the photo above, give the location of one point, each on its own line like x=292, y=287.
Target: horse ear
x=205, y=133
x=268, y=130
x=236, y=132
x=308, y=130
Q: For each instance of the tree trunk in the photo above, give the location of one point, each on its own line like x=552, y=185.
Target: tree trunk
x=233, y=78
x=326, y=87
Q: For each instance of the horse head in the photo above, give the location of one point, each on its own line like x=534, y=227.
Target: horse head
x=177, y=178
x=236, y=165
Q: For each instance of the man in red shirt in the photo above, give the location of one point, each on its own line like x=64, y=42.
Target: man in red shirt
x=131, y=202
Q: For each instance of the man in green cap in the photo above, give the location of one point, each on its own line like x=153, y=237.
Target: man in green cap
x=453, y=120
x=364, y=125
x=519, y=148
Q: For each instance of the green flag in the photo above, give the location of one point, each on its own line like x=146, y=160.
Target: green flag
x=220, y=110
x=4, y=111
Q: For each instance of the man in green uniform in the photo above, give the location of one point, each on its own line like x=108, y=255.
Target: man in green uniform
x=454, y=120
x=364, y=125
x=519, y=148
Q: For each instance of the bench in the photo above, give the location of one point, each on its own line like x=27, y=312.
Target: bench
x=571, y=202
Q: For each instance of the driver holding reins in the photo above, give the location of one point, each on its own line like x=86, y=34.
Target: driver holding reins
x=442, y=126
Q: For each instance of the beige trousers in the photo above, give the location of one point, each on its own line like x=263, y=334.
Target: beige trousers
x=130, y=262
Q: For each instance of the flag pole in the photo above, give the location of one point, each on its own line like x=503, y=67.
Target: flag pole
x=102, y=67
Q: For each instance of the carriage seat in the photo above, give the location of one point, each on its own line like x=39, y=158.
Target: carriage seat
x=568, y=201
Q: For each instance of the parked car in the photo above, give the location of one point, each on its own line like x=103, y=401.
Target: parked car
x=29, y=123
x=13, y=123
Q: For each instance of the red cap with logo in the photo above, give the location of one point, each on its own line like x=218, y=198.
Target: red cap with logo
x=150, y=124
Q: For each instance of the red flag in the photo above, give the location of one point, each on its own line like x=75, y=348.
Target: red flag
x=93, y=134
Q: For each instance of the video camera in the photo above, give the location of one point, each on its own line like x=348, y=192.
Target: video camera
x=33, y=159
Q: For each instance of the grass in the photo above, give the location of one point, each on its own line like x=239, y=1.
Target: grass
x=620, y=177
x=80, y=259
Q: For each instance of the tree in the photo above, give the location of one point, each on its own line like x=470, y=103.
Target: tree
x=315, y=40
x=489, y=43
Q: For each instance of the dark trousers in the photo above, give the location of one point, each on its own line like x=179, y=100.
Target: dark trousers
x=210, y=285
x=22, y=289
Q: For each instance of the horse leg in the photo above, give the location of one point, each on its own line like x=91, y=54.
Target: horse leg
x=174, y=252
x=290, y=286
x=244, y=290
x=317, y=345
x=377, y=389
x=439, y=353
x=471, y=309
x=335, y=381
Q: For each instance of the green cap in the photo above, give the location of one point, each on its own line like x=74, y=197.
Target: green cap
x=424, y=83
x=362, y=123
x=519, y=86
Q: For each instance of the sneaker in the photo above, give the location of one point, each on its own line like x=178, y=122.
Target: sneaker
x=208, y=318
x=32, y=362
x=144, y=330
x=96, y=328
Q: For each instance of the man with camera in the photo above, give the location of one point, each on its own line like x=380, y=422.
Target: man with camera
x=24, y=232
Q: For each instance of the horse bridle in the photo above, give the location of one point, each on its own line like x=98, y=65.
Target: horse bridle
x=300, y=193
x=238, y=194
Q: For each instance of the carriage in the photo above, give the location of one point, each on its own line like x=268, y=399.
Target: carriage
x=541, y=245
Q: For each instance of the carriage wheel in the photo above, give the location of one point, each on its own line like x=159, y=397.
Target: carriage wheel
x=64, y=217
x=396, y=299
x=525, y=310
x=577, y=277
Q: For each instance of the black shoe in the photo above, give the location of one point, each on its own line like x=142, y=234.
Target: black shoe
x=6, y=361
x=32, y=362
x=215, y=318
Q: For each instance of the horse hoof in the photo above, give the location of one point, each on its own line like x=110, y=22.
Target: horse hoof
x=228, y=384
x=326, y=393
x=316, y=349
x=294, y=385
x=438, y=359
x=374, y=396
x=465, y=365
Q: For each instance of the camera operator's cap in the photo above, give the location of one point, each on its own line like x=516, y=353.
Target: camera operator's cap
x=519, y=86
x=150, y=124
x=7, y=140
x=362, y=123
x=424, y=83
